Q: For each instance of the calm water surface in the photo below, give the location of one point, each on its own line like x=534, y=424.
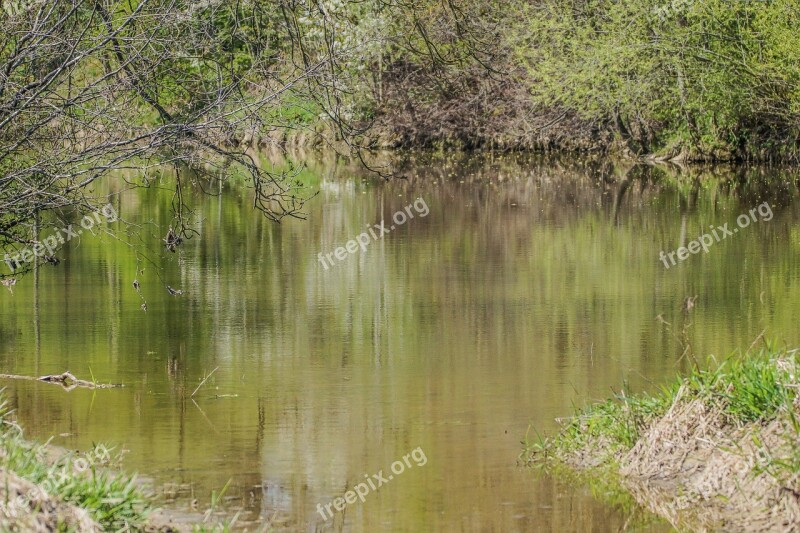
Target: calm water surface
x=529, y=288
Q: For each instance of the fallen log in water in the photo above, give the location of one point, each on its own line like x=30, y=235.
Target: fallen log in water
x=66, y=380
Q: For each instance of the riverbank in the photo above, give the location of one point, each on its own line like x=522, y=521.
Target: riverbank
x=569, y=136
x=45, y=488
x=716, y=449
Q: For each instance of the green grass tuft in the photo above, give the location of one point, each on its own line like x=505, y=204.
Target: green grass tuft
x=747, y=389
x=85, y=480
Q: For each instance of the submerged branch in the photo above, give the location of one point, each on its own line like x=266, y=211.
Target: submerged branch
x=66, y=380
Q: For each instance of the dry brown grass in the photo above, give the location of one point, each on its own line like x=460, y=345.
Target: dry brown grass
x=25, y=506
x=720, y=451
x=698, y=471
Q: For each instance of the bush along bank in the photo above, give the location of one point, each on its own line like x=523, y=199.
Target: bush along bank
x=717, y=449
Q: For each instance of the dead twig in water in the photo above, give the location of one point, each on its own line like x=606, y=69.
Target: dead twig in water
x=203, y=382
x=204, y=416
x=66, y=380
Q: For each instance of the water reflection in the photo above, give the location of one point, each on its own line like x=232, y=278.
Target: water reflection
x=531, y=286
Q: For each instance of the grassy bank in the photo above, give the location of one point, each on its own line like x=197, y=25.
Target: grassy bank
x=716, y=449
x=42, y=489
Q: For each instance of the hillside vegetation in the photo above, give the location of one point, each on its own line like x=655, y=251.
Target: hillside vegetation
x=692, y=80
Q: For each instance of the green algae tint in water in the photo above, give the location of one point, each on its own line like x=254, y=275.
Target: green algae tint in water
x=527, y=289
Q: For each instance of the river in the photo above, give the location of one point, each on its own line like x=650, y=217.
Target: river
x=528, y=287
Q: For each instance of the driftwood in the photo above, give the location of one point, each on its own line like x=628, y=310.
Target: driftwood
x=66, y=380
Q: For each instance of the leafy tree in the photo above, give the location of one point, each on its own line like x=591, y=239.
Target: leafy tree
x=92, y=86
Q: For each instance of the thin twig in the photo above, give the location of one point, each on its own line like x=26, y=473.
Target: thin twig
x=203, y=382
x=760, y=336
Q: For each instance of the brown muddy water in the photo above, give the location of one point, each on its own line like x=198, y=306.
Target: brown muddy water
x=528, y=288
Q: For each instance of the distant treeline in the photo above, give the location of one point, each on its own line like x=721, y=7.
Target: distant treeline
x=92, y=86
x=711, y=80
